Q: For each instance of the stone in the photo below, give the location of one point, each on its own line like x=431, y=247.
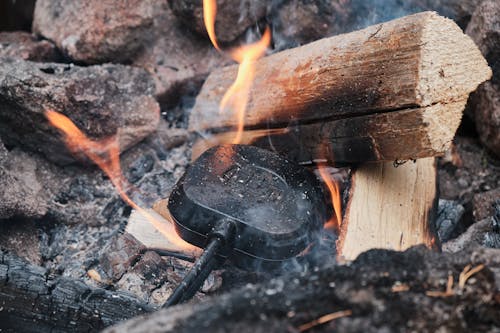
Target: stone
x=483, y=204
x=233, y=18
x=178, y=60
x=96, y=31
x=22, y=194
x=484, y=29
x=102, y=100
x=26, y=46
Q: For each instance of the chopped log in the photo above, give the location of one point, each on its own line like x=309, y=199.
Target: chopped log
x=390, y=207
x=390, y=136
x=33, y=300
x=395, y=68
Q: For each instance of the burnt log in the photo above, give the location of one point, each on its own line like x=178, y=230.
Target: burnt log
x=384, y=290
x=408, y=78
x=34, y=300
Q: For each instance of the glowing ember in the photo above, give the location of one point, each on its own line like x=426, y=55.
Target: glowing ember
x=333, y=188
x=106, y=154
x=237, y=96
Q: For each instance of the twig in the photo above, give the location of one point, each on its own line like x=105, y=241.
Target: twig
x=467, y=273
x=324, y=319
x=449, y=289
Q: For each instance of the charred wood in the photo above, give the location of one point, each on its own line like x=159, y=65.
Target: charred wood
x=33, y=300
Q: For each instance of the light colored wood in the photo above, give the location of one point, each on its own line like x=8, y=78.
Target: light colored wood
x=390, y=136
x=389, y=207
x=415, y=61
x=145, y=232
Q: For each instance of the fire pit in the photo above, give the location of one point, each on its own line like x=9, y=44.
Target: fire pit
x=291, y=165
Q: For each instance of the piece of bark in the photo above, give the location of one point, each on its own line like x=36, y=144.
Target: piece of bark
x=389, y=136
x=413, y=63
x=389, y=207
x=33, y=300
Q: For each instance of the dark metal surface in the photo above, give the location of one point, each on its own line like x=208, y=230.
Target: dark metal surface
x=276, y=207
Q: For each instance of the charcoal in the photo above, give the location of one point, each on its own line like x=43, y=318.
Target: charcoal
x=367, y=287
x=484, y=29
x=34, y=300
x=96, y=31
x=27, y=47
x=448, y=219
x=178, y=60
x=472, y=237
x=102, y=100
x=233, y=18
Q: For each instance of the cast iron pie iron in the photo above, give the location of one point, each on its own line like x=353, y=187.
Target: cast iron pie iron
x=247, y=205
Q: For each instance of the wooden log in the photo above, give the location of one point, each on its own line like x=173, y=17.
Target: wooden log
x=405, y=65
x=390, y=207
x=390, y=136
x=33, y=300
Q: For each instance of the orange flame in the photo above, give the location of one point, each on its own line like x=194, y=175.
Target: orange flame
x=237, y=96
x=333, y=188
x=106, y=154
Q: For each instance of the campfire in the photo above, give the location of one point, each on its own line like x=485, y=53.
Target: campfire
x=254, y=166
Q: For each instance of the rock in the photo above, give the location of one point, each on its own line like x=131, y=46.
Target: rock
x=233, y=18
x=484, y=29
x=102, y=100
x=21, y=193
x=483, y=204
x=178, y=60
x=473, y=237
x=26, y=46
x=96, y=31
x=298, y=22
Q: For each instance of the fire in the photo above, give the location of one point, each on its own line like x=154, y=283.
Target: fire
x=333, y=188
x=106, y=154
x=237, y=96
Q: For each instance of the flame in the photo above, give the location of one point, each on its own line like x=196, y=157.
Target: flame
x=333, y=188
x=106, y=154
x=237, y=96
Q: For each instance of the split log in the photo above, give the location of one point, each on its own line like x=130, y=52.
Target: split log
x=420, y=67
x=33, y=300
x=390, y=207
x=389, y=136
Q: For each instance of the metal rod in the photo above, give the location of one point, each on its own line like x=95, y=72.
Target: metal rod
x=197, y=275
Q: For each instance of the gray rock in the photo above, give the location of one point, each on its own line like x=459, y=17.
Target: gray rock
x=484, y=29
x=21, y=193
x=178, y=60
x=232, y=20
x=96, y=31
x=102, y=100
x=26, y=46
